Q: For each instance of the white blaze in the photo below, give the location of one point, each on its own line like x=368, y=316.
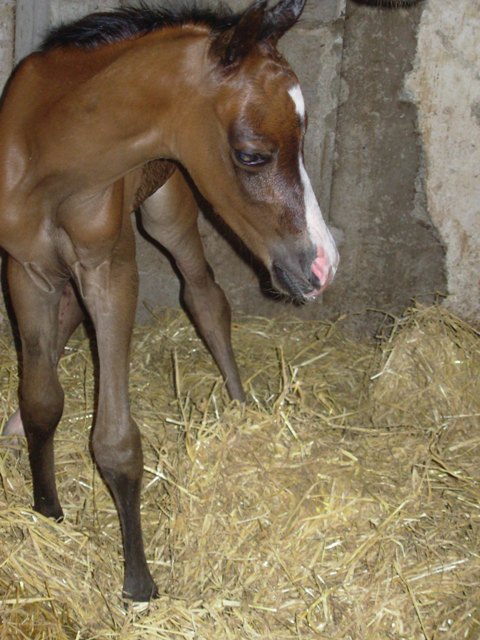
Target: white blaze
x=297, y=96
x=317, y=229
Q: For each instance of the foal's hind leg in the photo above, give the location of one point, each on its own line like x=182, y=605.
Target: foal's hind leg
x=70, y=315
x=41, y=396
x=170, y=217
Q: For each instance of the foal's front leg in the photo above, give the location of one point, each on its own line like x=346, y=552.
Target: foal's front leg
x=110, y=293
x=170, y=217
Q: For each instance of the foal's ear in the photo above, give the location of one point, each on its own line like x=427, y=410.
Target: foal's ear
x=281, y=18
x=233, y=45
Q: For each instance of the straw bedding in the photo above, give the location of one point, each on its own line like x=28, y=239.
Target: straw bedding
x=341, y=503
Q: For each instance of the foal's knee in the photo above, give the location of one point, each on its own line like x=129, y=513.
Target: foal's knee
x=41, y=407
x=117, y=449
x=206, y=295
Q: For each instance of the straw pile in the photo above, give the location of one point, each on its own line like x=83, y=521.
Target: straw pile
x=430, y=374
x=341, y=502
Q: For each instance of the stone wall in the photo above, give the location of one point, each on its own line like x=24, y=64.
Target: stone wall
x=7, y=23
x=445, y=85
x=391, y=252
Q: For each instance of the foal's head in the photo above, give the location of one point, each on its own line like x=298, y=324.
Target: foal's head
x=246, y=155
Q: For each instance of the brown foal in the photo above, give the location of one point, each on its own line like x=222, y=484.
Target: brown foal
x=95, y=125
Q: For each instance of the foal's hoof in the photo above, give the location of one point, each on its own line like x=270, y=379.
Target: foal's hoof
x=140, y=594
x=53, y=511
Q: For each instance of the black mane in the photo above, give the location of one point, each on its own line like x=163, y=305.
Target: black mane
x=107, y=27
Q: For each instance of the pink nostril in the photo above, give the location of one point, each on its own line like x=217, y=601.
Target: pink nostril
x=322, y=270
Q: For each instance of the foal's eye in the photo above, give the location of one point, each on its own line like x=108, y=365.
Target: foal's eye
x=250, y=159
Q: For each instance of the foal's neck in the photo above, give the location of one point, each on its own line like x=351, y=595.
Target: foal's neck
x=127, y=106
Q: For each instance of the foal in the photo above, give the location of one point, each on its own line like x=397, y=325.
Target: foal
x=95, y=125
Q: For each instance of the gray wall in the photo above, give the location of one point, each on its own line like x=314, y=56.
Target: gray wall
x=7, y=22
x=372, y=151
x=391, y=251
x=445, y=86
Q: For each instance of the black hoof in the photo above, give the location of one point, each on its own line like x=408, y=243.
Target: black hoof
x=54, y=512
x=140, y=593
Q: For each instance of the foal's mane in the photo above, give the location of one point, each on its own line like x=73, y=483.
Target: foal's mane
x=107, y=27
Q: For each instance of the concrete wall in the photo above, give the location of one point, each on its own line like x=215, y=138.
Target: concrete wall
x=445, y=85
x=395, y=168
x=391, y=252
x=6, y=39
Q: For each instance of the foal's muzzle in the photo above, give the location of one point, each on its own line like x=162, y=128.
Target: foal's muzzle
x=303, y=275
x=300, y=289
